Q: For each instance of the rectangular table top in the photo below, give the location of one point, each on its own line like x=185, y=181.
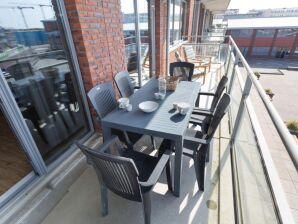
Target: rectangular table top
x=164, y=122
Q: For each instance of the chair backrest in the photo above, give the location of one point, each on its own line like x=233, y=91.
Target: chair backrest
x=124, y=84
x=189, y=52
x=102, y=97
x=220, y=111
x=21, y=70
x=219, y=90
x=182, y=69
x=117, y=173
x=70, y=88
x=178, y=57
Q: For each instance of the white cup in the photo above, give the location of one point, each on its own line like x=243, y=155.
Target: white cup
x=129, y=107
x=123, y=102
x=162, y=96
x=156, y=96
x=175, y=105
x=183, y=108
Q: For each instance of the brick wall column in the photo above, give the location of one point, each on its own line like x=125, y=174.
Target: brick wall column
x=273, y=42
x=252, y=42
x=160, y=36
x=189, y=19
x=201, y=20
x=96, y=27
x=295, y=44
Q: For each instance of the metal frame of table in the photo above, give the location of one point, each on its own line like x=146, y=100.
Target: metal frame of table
x=165, y=122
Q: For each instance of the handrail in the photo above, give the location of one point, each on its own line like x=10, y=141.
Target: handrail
x=283, y=132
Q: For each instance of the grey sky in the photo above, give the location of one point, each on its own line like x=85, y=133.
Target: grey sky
x=11, y=18
x=245, y=5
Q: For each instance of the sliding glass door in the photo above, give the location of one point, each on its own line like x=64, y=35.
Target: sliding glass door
x=14, y=163
x=43, y=104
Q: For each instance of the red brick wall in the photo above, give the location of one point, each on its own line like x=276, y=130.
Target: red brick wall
x=96, y=27
x=160, y=36
x=189, y=18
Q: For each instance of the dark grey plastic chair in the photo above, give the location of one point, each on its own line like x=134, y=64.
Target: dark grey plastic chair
x=124, y=84
x=200, y=116
x=128, y=173
x=126, y=89
x=196, y=144
x=182, y=69
x=103, y=99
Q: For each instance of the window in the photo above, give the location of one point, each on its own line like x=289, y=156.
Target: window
x=177, y=20
x=244, y=50
x=296, y=51
x=260, y=51
x=265, y=33
x=38, y=70
x=280, y=52
x=242, y=33
x=287, y=32
x=135, y=44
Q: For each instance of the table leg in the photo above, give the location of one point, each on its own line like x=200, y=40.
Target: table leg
x=106, y=132
x=178, y=166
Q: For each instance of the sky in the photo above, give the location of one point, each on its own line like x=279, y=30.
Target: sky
x=245, y=5
x=11, y=17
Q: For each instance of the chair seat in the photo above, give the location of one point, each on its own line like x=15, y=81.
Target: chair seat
x=145, y=163
x=198, y=71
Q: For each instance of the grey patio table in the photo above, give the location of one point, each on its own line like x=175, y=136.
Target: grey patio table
x=164, y=122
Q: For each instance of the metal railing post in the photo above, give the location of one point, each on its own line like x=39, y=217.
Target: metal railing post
x=245, y=94
x=227, y=65
x=233, y=73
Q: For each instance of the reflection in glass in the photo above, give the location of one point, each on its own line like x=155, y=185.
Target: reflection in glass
x=130, y=40
x=145, y=38
x=14, y=164
x=36, y=68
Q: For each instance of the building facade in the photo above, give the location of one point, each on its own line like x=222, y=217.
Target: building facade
x=266, y=37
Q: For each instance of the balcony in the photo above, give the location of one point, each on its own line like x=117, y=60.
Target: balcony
x=251, y=176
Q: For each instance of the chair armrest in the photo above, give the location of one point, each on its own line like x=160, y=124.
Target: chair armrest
x=207, y=93
x=152, y=180
x=203, y=112
x=104, y=146
x=197, y=140
x=137, y=87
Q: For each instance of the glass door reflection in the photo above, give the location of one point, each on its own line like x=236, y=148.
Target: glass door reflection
x=36, y=66
x=14, y=164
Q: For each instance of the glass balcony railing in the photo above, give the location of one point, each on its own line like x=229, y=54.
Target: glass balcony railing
x=258, y=194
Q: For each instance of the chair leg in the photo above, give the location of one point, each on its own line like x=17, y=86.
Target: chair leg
x=168, y=172
x=207, y=154
x=104, y=200
x=147, y=207
x=199, y=164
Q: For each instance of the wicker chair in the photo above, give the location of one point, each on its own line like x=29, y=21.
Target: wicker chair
x=199, y=61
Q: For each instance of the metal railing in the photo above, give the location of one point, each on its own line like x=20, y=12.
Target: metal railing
x=248, y=141
x=254, y=171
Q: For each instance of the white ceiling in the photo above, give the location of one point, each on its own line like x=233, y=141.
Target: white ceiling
x=216, y=6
